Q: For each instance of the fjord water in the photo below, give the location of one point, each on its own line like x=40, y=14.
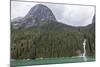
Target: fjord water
x=52, y=61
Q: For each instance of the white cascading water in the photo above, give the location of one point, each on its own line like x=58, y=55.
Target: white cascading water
x=84, y=47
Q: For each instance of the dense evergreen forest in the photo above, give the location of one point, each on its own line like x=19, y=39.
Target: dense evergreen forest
x=51, y=40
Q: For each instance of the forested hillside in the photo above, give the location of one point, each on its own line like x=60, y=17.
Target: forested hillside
x=51, y=40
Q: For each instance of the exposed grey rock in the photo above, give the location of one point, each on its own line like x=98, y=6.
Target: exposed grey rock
x=41, y=12
x=34, y=17
x=36, y=14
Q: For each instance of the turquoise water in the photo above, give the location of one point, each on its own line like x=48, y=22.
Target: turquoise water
x=50, y=61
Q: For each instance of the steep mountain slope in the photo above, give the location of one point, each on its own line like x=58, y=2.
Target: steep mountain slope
x=41, y=12
x=36, y=14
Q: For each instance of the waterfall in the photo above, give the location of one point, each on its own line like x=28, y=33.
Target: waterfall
x=82, y=55
x=84, y=48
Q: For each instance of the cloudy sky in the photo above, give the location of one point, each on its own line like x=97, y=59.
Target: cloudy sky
x=75, y=15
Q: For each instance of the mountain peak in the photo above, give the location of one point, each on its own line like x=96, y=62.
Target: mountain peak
x=34, y=17
x=41, y=12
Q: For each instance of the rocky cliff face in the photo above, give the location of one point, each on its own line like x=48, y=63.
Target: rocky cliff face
x=41, y=12
x=36, y=14
x=34, y=17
